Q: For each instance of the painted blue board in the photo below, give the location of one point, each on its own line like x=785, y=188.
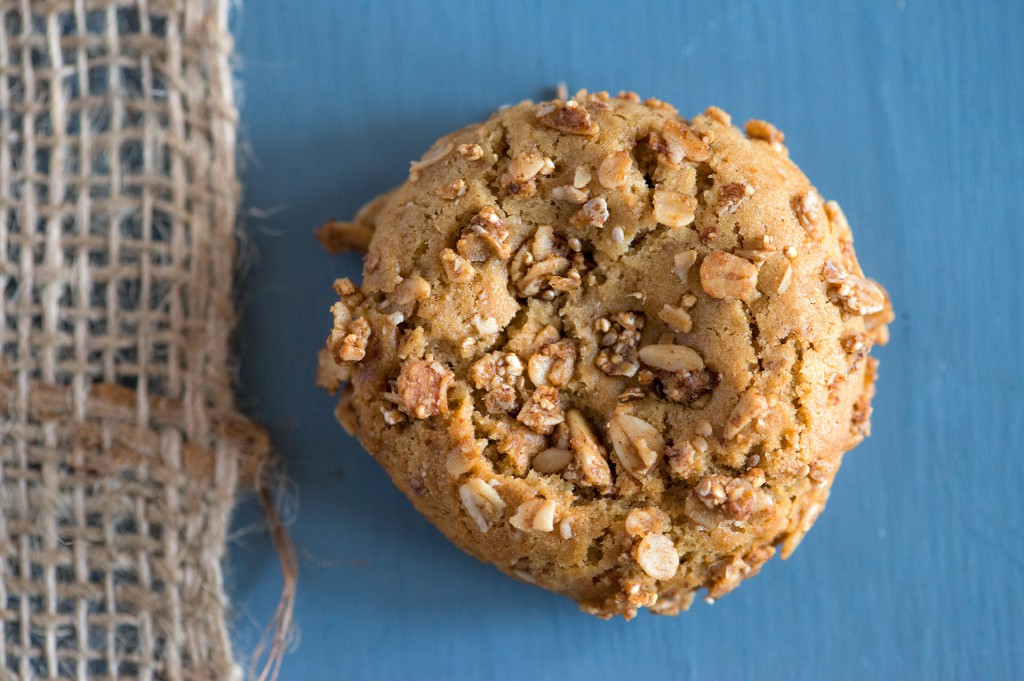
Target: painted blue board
x=908, y=112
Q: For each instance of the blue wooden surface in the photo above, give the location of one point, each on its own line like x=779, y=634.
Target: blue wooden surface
x=909, y=113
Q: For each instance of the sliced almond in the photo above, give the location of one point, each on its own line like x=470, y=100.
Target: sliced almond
x=589, y=462
x=637, y=444
x=671, y=357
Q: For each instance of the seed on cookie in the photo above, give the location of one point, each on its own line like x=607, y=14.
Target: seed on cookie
x=551, y=460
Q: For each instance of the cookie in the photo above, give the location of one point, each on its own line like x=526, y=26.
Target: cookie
x=616, y=353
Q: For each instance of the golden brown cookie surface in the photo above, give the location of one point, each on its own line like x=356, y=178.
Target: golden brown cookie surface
x=614, y=352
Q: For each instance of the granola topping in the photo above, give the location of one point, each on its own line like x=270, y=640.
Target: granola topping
x=535, y=515
x=618, y=339
x=725, y=276
x=614, y=170
x=485, y=235
x=590, y=461
x=482, y=503
x=569, y=117
x=673, y=209
x=519, y=180
x=636, y=443
x=542, y=411
x=657, y=556
x=594, y=213
x=423, y=387
x=498, y=374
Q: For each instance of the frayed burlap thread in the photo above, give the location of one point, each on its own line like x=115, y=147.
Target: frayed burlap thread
x=120, y=449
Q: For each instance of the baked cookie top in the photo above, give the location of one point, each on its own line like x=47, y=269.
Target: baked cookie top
x=616, y=353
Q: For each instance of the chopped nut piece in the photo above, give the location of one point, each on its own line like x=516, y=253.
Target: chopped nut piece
x=535, y=515
x=859, y=296
x=565, y=529
x=724, y=276
x=570, y=195
x=682, y=263
x=338, y=237
x=593, y=213
x=677, y=318
x=551, y=460
x=618, y=234
x=750, y=406
x=614, y=169
x=636, y=443
x=738, y=498
x=763, y=130
x=423, y=387
x=472, y=152
x=497, y=373
x=671, y=357
x=348, y=338
x=657, y=556
x=730, y=196
x=485, y=234
x=684, y=142
x=542, y=411
x=486, y=325
x=619, y=341
x=410, y=290
x=682, y=460
x=481, y=502
x=456, y=268
x=581, y=178
x=685, y=387
x=807, y=208
x=519, y=177
x=755, y=255
x=545, y=266
x=553, y=364
x=785, y=280
x=673, y=209
x=452, y=191
x=590, y=464
x=718, y=115
x=643, y=521
x=569, y=117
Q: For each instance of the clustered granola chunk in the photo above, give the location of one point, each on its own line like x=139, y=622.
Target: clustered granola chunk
x=617, y=353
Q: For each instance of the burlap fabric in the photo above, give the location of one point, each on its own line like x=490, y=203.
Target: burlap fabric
x=120, y=451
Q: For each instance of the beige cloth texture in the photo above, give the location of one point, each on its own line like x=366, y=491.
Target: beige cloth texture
x=120, y=447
